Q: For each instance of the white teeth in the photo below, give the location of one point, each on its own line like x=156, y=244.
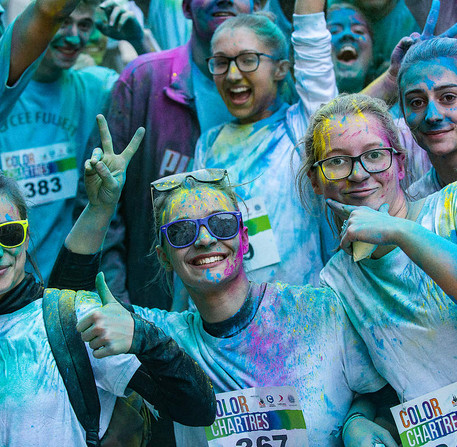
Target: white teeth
x=203, y=261
x=239, y=89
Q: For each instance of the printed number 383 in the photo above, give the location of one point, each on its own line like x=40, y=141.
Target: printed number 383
x=263, y=441
x=43, y=187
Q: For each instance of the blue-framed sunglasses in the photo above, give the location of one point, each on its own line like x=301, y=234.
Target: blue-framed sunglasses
x=184, y=232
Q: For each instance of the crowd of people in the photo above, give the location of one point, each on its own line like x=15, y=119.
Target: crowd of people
x=270, y=201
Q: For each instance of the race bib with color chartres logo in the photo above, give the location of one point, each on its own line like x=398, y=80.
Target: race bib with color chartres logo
x=258, y=417
x=429, y=420
x=45, y=174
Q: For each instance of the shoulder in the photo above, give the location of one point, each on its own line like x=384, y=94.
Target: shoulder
x=336, y=269
x=150, y=64
x=209, y=137
x=300, y=297
x=172, y=323
x=426, y=185
x=92, y=79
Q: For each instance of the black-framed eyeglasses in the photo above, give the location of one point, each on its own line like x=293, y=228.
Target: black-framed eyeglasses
x=341, y=166
x=246, y=62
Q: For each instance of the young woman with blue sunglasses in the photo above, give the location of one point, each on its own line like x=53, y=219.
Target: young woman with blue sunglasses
x=246, y=334
x=35, y=407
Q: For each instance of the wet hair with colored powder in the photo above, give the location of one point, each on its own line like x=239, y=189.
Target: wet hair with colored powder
x=343, y=105
x=263, y=27
x=427, y=50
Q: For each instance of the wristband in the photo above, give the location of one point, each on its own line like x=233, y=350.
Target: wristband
x=351, y=418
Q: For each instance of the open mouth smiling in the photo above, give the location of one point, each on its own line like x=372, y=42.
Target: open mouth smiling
x=347, y=54
x=223, y=14
x=239, y=94
x=205, y=260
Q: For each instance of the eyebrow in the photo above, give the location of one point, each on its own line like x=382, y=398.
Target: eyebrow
x=209, y=214
x=221, y=53
x=438, y=88
x=366, y=147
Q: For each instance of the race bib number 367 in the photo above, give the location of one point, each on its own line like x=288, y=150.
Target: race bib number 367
x=258, y=417
x=46, y=173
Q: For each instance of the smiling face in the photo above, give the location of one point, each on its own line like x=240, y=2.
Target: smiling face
x=429, y=98
x=209, y=262
x=248, y=96
x=207, y=15
x=352, y=48
x=70, y=40
x=352, y=135
x=12, y=260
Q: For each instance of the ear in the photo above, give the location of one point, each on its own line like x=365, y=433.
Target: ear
x=401, y=166
x=186, y=9
x=312, y=175
x=244, y=239
x=282, y=69
x=163, y=259
x=258, y=5
x=27, y=240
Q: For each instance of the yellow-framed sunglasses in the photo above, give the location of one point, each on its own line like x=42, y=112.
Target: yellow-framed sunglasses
x=13, y=233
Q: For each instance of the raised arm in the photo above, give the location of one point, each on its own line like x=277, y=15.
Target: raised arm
x=33, y=30
x=104, y=177
x=378, y=227
x=313, y=69
x=104, y=173
x=169, y=378
x=309, y=6
x=122, y=24
x=385, y=86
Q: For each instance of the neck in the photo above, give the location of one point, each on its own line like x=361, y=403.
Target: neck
x=46, y=74
x=446, y=167
x=223, y=301
x=201, y=50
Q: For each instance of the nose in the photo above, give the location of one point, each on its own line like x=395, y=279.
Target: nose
x=233, y=73
x=433, y=113
x=358, y=174
x=347, y=35
x=224, y=3
x=205, y=238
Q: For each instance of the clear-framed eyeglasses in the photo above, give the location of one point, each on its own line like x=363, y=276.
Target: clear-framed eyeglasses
x=246, y=62
x=341, y=166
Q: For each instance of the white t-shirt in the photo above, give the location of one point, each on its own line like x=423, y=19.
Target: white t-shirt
x=299, y=336
x=262, y=157
x=425, y=186
x=407, y=322
x=34, y=407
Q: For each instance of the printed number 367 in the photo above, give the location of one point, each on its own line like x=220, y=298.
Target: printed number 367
x=263, y=441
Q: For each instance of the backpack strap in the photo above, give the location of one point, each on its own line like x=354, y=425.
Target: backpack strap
x=72, y=359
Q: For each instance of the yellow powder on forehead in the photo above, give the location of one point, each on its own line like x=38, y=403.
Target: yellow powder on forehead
x=187, y=197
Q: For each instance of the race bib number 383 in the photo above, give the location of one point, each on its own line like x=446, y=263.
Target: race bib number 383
x=46, y=173
x=258, y=417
